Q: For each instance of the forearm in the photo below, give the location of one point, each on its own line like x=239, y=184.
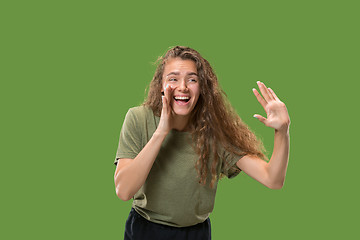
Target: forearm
x=133, y=175
x=279, y=160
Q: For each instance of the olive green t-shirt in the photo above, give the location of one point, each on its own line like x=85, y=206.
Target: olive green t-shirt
x=171, y=194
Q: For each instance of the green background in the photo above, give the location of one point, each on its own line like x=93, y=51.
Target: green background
x=71, y=69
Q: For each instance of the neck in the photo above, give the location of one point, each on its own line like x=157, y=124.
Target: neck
x=181, y=123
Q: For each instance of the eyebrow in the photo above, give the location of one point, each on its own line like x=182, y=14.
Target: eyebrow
x=177, y=73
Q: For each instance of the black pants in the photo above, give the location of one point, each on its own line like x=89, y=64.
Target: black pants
x=139, y=228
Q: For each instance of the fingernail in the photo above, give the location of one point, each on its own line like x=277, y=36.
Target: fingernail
x=255, y=117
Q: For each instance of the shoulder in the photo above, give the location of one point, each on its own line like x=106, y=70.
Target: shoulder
x=226, y=150
x=141, y=110
x=230, y=155
x=140, y=113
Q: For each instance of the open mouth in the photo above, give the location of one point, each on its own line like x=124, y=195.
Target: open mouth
x=182, y=99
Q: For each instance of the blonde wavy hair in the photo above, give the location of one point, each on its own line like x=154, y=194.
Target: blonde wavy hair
x=213, y=121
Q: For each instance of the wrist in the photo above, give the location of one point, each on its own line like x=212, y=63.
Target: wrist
x=282, y=131
x=283, y=128
x=160, y=133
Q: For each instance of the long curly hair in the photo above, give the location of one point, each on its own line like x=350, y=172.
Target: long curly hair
x=213, y=121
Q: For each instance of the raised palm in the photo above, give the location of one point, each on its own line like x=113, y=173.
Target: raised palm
x=277, y=114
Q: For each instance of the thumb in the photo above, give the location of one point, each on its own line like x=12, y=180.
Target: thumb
x=164, y=104
x=260, y=118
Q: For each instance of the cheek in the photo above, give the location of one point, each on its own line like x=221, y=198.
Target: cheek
x=196, y=91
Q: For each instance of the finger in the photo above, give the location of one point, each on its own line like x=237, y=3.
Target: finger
x=166, y=92
x=163, y=98
x=269, y=92
x=164, y=106
x=168, y=95
x=259, y=98
x=264, y=91
x=260, y=118
x=274, y=95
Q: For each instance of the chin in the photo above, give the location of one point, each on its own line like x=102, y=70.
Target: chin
x=182, y=112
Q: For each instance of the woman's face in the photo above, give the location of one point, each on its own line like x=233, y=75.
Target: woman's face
x=182, y=75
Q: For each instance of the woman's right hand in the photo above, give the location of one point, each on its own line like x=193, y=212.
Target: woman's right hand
x=165, y=124
x=131, y=174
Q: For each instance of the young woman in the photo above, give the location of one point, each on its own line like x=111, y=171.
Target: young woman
x=174, y=148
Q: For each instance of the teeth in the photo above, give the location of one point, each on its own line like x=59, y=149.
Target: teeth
x=182, y=98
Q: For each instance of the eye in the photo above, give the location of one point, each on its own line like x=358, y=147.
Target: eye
x=172, y=79
x=192, y=80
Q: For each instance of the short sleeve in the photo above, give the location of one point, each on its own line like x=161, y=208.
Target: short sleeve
x=229, y=160
x=130, y=138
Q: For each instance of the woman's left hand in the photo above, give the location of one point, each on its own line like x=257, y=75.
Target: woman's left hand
x=277, y=114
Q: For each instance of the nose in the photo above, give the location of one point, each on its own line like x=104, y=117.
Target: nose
x=183, y=85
